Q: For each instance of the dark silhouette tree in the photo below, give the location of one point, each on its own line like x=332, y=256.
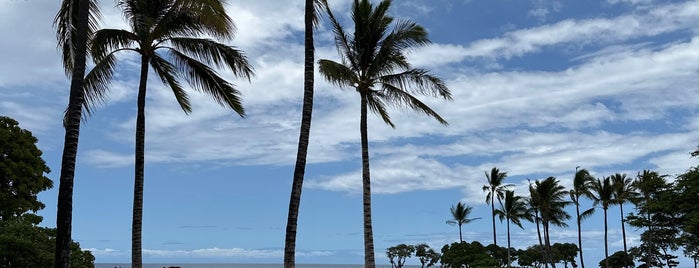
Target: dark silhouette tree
x=495, y=189
x=459, y=214
x=582, y=182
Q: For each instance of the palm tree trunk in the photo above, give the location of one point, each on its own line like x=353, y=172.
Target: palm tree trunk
x=64, y=212
x=541, y=244
x=577, y=211
x=492, y=210
x=461, y=238
x=139, y=166
x=547, y=239
x=606, y=247
x=508, y=243
x=369, y=261
x=623, y=235
x=304, y=136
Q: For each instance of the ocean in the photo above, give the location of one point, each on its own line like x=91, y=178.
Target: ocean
x=237, y=265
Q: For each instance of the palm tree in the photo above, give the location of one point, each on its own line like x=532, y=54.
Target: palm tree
x=513, y=210
x=550, y=198
x=623, y=192
x=533, y=211
x=311, y=19
x=460, y=216
x=602, y=193
x=171, y=27
x=495, y=189
x=373, y=62
x=75, y=23
x=582, y=182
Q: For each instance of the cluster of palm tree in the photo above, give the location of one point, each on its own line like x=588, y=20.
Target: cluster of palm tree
x=545, y=206
x=167, y=35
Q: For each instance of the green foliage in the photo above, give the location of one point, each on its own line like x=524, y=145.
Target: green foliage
x=428, y=257
x=21, y=171
x=617, y=260
x=468, y=255
x=531, y=257
x=564, y=253
x=399, y=254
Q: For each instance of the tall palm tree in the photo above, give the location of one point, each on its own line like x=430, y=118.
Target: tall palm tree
x=495, y=189
x=623, y=192
x=582, y=182
x=533, y=211
x=75, y=23
x=602, y=193
x=165, y=33
x=311, y=19
x=373, y=62
x=551, y=203
x=513, y=210
x=459, y=216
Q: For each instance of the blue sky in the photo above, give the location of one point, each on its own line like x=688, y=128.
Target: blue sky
x=539, y=88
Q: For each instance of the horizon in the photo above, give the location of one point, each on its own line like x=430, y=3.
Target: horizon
x=540, y=87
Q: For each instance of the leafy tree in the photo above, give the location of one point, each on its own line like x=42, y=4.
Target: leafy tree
x=617, y=260
x=495, y=189
x=75, y=23
x=172, y=27
x=513, y=210
x=21, y=171
x=565, y=253
x=428, y=256
x=498, y=253
x=460, y=215
x=531, y=256
x=373, y=62
x=549, y=197
x=464, y=254
x=623, y=192
x=602, y=193
x=582, y=182
x=399, y=254
x=310, y=19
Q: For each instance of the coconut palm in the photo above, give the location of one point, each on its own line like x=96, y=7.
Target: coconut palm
x=602, y=193
x=75, y=23
x=459, y=214
x=495, y=189
x=623, y=192
x=311, y=19
x=165, y=33
x=582, y=182
x=513, y=210
x=373, y=62
x=533, y=211
x=550, y=199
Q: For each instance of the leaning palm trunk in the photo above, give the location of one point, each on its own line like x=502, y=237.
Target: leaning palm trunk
x=64, y=213
x=304, y=136
x=137, y=221
x=541, y=244
x=623, y=235
x=369, y=261
x=547, y=240
x=577, y=211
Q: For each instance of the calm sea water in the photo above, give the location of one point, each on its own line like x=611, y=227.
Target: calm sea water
x=236, y=265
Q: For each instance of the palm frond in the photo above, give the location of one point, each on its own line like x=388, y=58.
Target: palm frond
x=97, y=83
x=65, y=25
x=587, y=213
x=337, y=74
x=211, y=14
x=218, y=54
x=108, y=40
x=168, y=75
x=342, y=42
x=205, y=79
x=398, y=97
x=378, y=106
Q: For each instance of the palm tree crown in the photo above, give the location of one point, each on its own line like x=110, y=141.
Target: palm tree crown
x=513, y=210
x=459, y=214
x=582, y=183
x=165, y=33
x=549, y=198
x=373, y=62
x=602, y=193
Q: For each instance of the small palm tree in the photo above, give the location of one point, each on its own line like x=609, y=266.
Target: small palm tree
x=495, y=189
x=550, y=198
x=582, y=182
x=623, y=192
x=311, y=19
x=513, y=210
x=459, y=216
x=602, y=193
x=165, y=34
x=374, y=64
x=75, y=24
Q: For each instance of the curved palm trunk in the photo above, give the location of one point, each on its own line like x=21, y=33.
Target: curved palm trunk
x=369, y=261
x=307, y=111
x=623, y=235
x=492, y=212
x=577, y=211
x=606, y=247
x=508, y=243
x=137, y=223
x=541, y=244
x=547, y=240
x=64, y=212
